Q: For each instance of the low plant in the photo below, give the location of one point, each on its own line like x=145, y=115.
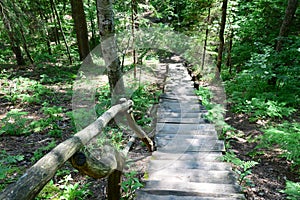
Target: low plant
x=292, y=190
x=7, y=167
x=64, y=190
x=287, y=136
x=130, y=185
x=242, y=168
x=53, y=114
x=15, y=123
x=24, y=90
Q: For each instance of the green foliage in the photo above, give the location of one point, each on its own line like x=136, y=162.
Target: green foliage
x=287, y=136
x=292, y=190
x=8, y=167
x=206, y=96
x=144, y=97
x=215, y=112
x=243, y=168
x=64, y=190
x=15, y=123
x=104, y=99
x=130, y=185
x=50, y=122
x=261, y=108
x=24, y=90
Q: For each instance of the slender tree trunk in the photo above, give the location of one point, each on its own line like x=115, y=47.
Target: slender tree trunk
x=221, y=38
x=15, y=44
x=61, y=30
x=287, y=21
x=25, y=45
x=91, y=18
x=109, y=46
x=56, y=34
x=228, y=63
x=134, y=10
x=81, y=28
x=205, y=41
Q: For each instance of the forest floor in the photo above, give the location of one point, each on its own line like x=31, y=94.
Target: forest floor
x=268, y=177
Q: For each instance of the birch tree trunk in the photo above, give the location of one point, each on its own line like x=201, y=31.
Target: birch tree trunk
x=109, y=46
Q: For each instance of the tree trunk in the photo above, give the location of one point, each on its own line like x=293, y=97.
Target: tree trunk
x=134, y=10
x=229, y=63
x=15, y=43
x=81, y=28
x=25, y=46
x=287, y=21
x=109, y=47
x=54, y=30
x=61, y=30
x=205, y=41
x=91, y=18
x=221, y=38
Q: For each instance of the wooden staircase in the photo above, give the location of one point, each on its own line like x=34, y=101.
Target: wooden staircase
x=186, y=165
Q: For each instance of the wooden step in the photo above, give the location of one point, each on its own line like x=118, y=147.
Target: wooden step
x=192, y=156
x=189, y=145
x=156, y=165
x=161, y=115
x=170, y=195
x=183, y=120
x=193, y=175
x=200, y=189
x=189, y=129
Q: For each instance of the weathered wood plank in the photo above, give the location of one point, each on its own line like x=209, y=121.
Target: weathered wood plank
x=170, y=195
x=188, y=144
x=156, y=165
x=184, y=120
x=188, y=129
x=192, y=156
x=193, y=175
x=208, y=189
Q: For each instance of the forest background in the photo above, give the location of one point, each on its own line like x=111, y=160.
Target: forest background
x=255, y=46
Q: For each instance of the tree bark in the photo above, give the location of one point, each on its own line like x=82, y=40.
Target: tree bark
x=287, y=21
x=221, y=38
x=205, y=41
x=134, y=10
x=109, y=47
x=80, y=28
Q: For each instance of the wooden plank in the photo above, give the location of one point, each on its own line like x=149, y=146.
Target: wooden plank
x=204, y=189
x=161, y=115
x=192, y=156
x=196, y=129
x=193, y=175
x=189, y=144
x=181, y=120
x=170, y=195
x=156, y=165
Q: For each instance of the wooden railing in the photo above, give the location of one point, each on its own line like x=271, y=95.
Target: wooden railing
x=36, y=177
